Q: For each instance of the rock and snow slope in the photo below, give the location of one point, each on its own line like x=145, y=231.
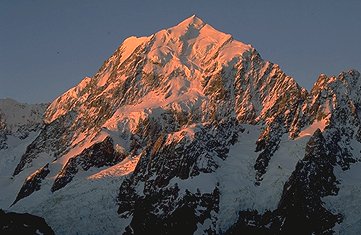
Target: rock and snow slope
x=18, y=121
x=190, y=123
x=19, y=125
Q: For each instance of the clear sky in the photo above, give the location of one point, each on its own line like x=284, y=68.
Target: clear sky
x=46, y=47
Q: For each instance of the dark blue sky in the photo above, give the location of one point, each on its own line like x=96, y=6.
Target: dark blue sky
x=46, y=47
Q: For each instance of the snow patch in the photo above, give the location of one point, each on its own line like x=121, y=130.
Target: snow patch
x=308, y=131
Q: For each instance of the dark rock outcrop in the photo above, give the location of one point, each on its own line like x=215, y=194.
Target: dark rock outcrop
x=99, y=155
x=16, y=223
x=32, y=183
x=300, y=210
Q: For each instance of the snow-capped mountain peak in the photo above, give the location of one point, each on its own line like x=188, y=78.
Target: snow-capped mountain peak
x=189, y=123
x=167, y=65
x=193, y=42
x=191, y=22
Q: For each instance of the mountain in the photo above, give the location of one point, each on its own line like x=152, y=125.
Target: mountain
x=19, y=125
x=18, y=120
x=189, y=130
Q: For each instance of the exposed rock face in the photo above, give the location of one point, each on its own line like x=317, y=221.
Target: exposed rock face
x=168, y=117
x=2, y=133
x=99, y=155
x=301, y=206
x=52, y=139
x=33, y=183
x=197, y=208
x=150, y=194
x=300, y=210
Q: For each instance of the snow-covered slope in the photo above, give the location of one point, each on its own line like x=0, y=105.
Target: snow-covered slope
x=18, y=120
x=190, y=123
x=19, y=125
